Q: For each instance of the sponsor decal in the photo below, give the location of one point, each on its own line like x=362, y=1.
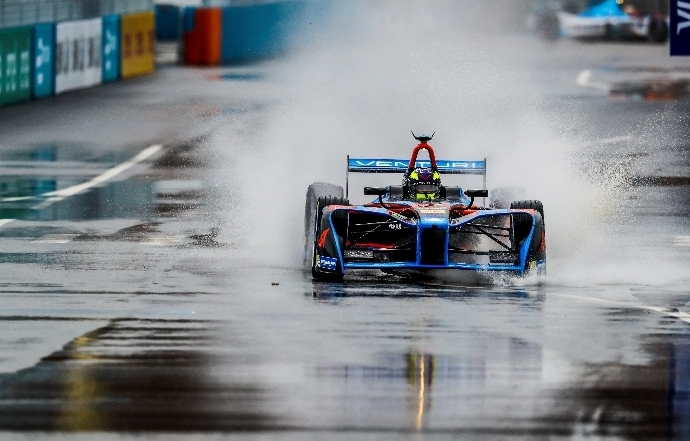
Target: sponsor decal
x=400, y=217
x=679, y=32
x=433, y=210
x=359, y=254
x=402, y=164
x=326, y=263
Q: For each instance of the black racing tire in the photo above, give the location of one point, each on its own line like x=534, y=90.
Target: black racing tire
x=609, y=33
x=529, y=205
x=319, y=196
x=548, y=26
x=658, y=31
x=314, y=192
x=322, y=203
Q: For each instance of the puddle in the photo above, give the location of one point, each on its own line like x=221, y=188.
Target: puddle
x=655, y=89
x=660, y=181
x=238, y=76
x=124, y=199
x=40, y=154
x=131, y=375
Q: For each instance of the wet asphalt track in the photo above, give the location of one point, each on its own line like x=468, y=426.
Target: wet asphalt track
x=138, y=309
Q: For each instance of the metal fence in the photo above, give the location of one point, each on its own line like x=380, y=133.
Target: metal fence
x=28, y=12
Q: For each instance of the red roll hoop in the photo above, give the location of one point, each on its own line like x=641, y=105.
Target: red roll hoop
x=428, y=148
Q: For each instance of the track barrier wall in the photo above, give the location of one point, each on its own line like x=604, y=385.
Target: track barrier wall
x=45, y=59
x=191, y=38
x=78, y=48
x=137, y=33
x=15, y=64
x=111, y=48
x=202, y=36
x=43, y=76
x=257, y=31
x=247, y=32
x=167, y=22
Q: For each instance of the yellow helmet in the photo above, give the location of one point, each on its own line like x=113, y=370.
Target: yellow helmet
x=423, y=183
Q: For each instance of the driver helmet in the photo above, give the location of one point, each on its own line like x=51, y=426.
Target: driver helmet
x=424, y=184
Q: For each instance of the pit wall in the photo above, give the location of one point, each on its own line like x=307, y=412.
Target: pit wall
x=239, y=34
x=47, y=59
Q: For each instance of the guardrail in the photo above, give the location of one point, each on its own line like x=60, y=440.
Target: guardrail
x=240, y=33
x=15, y=74
x=45, y=59
x=15, y=13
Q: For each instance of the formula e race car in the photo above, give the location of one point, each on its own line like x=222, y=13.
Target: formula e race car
x=421, y=228
x=609, y=21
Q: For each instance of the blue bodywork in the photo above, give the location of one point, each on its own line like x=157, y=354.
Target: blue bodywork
x=609, y=8
x=431, y=216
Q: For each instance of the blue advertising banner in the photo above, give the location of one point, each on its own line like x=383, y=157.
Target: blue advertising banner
x=188, y=18
x=260, y=30
x=44, y=60
x=111, y=48
x=679, y=32
x=167, y=22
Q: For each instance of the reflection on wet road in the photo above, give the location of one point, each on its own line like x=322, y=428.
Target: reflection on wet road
x=128, y=375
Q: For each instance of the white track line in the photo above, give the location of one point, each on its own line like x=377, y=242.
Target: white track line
x=615, y=139
x=5, y=221
x=611, y=140
x=55, y=238
x=58, y=195
x=162, y=240
x=18, y=198
x=583, y=80
x=681, y=241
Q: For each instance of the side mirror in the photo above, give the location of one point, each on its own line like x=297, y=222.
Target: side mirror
x=477, y=193
x=375, y=191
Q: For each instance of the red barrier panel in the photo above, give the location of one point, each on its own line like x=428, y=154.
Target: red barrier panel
x=192, y=47
x=211, y=24
x=203, y=42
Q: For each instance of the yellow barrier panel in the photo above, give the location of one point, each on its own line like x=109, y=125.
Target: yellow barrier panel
x=138, y=43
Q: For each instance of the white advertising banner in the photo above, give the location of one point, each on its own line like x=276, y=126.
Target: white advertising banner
x=78, y=47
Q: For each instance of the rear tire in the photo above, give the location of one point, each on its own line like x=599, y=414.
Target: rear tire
x=658, y=31
x=548, y=26
x=529, y=205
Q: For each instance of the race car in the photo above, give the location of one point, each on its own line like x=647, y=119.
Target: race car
x=421, y=228
x=608, y=21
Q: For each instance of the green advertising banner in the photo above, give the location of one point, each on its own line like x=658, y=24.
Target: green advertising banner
x=15, y=65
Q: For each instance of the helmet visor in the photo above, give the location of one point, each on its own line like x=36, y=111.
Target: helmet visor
x=426, y=188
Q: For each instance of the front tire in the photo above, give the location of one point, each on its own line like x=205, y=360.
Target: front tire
x=312, y=216
x=319, y=196
x=322, y=203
